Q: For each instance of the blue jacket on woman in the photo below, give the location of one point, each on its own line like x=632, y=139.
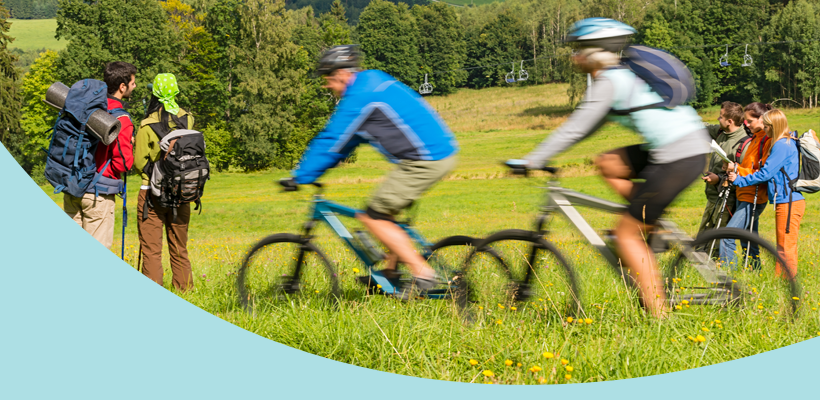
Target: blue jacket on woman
x=784, y=154
x=378, y=109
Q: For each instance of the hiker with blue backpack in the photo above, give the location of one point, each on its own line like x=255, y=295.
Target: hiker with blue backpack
x=676, y=141
x=88, y=167
x=170, y=156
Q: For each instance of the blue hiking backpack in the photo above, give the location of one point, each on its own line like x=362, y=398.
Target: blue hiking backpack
x=70, y=164
x=663, y=72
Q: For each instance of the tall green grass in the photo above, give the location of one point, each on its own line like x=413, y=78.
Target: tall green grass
x=614, y=339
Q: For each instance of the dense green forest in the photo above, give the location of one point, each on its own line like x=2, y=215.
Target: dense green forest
x=32, y=9
x=245, y=67
x=352, y=7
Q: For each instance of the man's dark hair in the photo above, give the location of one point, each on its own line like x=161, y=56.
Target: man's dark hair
x=732, y=111
x=116, y=73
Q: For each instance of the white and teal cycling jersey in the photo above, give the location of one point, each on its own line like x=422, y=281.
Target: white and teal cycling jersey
x=670, y=134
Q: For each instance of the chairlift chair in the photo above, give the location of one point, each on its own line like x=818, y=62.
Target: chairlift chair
x=425, y=88
x=522, y=73
x=724, y=60
x=510, y=78
x=747, y=58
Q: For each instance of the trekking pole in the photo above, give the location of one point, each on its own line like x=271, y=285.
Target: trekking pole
x=124, y=214
x=751, y=228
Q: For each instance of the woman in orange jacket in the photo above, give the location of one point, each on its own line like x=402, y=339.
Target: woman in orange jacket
x=751, y=200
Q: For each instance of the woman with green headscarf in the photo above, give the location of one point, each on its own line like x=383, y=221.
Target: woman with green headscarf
x=164, y=116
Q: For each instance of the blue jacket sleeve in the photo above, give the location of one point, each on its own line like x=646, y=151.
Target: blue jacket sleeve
x=332, y=145
x=777, y=159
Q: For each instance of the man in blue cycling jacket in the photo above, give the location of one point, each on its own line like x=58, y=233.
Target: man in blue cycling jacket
x=378, y=109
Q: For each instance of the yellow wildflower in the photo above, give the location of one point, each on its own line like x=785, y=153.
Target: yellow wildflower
x=567, y=376
x=588, y=320
x=535, y=369
x=564, y=361
x=473, y=362
x=548, y=355
x=355, y=270
x=569, y=368
x=487, y=373
x=508, y=362
x=569, y=319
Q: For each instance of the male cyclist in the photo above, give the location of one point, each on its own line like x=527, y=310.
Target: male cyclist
x=669, y=162
x=378, y=109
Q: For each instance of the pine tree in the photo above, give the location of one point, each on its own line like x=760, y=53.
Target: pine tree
x=9, y=92
x=269, y=85
x=441, y=46
x=389, y=39
x=134, y=31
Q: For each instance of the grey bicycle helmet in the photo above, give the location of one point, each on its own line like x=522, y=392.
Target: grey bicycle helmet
x=608, y=34
x=344, y=56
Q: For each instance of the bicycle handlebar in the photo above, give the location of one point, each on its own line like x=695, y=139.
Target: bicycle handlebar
x=520, y=168
x=289, y=185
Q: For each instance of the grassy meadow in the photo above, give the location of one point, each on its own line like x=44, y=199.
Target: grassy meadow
x=35, y=34
x=508, y=343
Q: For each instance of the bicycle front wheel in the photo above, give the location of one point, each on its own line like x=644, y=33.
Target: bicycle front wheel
x=751, y=282
x=282, y=265
x=529, y=272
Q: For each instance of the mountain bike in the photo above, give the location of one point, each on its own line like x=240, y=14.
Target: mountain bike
x=285, y=264
x=530, y=266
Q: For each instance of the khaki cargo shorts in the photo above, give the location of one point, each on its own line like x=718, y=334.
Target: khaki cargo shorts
x=407, y=182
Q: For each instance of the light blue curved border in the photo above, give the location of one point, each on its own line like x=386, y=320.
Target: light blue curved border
x=77, y=322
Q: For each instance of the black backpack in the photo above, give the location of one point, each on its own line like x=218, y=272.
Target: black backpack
x=179, y=174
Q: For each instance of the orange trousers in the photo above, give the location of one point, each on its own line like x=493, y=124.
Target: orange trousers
x=787, y=242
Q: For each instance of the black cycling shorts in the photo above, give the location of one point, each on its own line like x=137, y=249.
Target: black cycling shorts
x=663, y=182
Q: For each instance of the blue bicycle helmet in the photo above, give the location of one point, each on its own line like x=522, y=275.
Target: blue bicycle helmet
x=609, y=34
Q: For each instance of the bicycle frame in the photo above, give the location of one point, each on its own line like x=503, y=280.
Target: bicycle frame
x=327, y=211
x=559, y=199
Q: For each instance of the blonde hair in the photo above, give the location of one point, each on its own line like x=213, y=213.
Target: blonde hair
x=778, y=125
x=598, y=58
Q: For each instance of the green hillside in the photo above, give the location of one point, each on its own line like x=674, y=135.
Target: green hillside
x=34, y=34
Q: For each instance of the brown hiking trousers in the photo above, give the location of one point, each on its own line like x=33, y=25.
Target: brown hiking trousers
x=150, y=235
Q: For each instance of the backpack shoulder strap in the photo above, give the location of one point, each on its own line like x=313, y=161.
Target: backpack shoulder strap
x=119, y=112
x=160, y=129
x=740, y=148
x=762, y=146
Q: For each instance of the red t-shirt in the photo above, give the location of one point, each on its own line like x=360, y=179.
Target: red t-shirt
x=120, y=151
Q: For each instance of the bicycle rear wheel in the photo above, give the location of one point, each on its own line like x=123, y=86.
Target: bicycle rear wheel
x=696, y=279
x=285, y=264
x=527, y=269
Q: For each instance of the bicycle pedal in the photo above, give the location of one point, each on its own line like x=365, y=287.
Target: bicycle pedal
x=290, y=285
x=522, y=291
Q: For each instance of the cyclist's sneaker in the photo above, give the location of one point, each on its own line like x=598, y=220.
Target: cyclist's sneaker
x=392, y=275
x=415, y=287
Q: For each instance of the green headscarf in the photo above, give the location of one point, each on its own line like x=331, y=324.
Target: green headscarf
x=166, y=89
